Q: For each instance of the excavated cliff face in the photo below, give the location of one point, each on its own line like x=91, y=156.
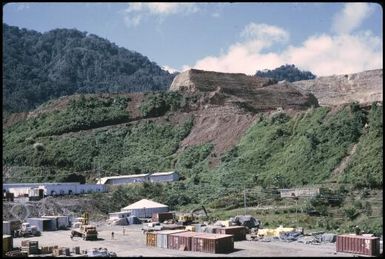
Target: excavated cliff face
x=249, y=92
x=230, y=103
x=364, y=87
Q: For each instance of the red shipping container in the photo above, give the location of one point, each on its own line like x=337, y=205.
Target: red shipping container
x=213, y=243
x=181, y=241
x=239, y=232
x=358, y=244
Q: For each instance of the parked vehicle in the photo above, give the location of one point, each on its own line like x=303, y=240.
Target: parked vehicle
x=27, y=230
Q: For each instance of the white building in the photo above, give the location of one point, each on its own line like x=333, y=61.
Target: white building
x=7, y=186
x=124, y=179
x=52, y=189
x=145, y=208
x=299, y=192
x=164, y=177
x=59, y=189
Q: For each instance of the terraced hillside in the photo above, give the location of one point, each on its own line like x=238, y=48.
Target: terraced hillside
x=220, y=140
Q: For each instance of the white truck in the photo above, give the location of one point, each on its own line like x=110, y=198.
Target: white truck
x=27, y=230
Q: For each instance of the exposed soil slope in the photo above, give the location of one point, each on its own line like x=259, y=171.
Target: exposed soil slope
x=364, y=87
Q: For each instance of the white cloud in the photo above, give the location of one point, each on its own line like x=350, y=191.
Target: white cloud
x=351, y=17
x=170, y=69
x=134, y=13
x=264, y=32
x=340, y=54
x=162, y=8
x=132, y=21
x=246, y=56
x=21, y=7
x=321, y=54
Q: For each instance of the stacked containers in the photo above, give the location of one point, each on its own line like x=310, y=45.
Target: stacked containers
x=181, y=241
x=212, y=243
x=162, y=237
x=239, y=232
x=358, y=245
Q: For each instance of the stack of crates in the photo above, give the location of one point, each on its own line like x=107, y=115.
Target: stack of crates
x=30, y=247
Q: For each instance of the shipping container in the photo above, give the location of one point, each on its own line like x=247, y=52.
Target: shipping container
x=7, y=243
x=151, y=238
x=239, y=232
x=212, y=243
x=358, y=244
x=162, y=216
x=6, y=228
x=181, y=241
x=162, y=237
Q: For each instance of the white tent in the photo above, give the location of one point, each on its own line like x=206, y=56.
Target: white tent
x=145, y=208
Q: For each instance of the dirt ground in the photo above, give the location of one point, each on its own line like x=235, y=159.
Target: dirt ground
x=134, y=244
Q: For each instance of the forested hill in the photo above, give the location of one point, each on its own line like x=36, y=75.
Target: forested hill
x=42, y=66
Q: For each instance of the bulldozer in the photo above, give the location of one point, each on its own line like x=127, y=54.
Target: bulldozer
x=189, y=218
x=85, y=230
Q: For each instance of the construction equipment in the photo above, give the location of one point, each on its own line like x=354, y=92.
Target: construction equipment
x=87, y=232
x=27, y=230
x=84, y=230
x=85, y=219
x=247, y=221
x=187, y=219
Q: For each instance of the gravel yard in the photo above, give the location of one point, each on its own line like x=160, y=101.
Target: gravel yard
x=133, y=243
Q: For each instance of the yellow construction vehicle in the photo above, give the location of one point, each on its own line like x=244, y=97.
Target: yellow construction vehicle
x=85, y=231
x=189, y=218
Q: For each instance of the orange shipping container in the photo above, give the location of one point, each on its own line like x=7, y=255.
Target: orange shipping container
x=151, y=238
x=358, y=245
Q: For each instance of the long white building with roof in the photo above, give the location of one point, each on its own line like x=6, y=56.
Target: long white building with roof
x=139, y=178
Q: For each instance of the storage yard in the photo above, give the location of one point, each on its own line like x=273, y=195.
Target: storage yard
x=133, y=243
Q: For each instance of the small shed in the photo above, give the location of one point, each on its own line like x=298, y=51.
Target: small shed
x=145, y=208
x=62, y=222
x=43, y=224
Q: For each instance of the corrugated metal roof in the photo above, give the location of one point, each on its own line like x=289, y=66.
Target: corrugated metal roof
x=163, y=173
x=144, y=203
x=103, y=180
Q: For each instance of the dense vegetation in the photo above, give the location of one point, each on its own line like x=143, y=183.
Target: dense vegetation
x=42, y=66
x=278, y=151
x=286, y=72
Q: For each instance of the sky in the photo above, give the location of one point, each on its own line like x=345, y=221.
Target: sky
x=324, y=38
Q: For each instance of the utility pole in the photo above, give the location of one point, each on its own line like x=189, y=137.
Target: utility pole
x=244, y=199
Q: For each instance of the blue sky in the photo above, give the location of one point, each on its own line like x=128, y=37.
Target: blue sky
x=325, y=38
